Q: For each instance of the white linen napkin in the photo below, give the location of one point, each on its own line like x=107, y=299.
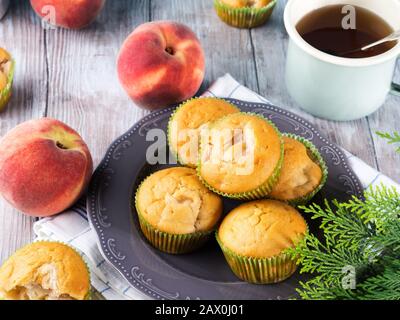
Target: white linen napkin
x=73, y=228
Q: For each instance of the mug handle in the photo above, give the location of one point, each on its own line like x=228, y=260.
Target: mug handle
x=395, y=89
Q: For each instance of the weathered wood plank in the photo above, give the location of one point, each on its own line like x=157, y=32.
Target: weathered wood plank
x=22, y=35
x=84, y=90
x=270, y=43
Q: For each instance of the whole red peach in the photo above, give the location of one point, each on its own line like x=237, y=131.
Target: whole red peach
x=70, y=14
x=161, y=63
x=45, y=166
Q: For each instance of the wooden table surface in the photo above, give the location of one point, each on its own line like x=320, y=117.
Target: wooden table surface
x=71, y=76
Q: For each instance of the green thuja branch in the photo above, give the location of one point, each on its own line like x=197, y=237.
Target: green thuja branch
x=391, y=138
x=359, y=256
x=385, y=286
x=362, y=235
x=341, y=227
x=380, y=207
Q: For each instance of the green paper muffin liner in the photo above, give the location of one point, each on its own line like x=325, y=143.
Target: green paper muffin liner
x=88, y=295
x=259, y=270
x=173, y=243
x=168, y=242
x=244, y=17
x=171, y=148
x=261, y=191
x=5, y=94
x=316, y=155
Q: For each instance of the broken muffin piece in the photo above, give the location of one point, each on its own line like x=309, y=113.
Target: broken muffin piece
x=45, y=271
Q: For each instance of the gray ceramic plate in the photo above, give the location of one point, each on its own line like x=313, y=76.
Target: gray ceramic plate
x=203, y=274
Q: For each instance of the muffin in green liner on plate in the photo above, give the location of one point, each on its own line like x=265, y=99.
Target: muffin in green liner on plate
x=255, y=236
x=188, y=120
x=177, y=213
x=241, y=156
x=304, y=172
x=244, y=13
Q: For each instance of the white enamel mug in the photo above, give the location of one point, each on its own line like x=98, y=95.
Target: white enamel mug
x=339, y=88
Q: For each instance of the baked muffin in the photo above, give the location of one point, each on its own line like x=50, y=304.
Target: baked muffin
x=6, y=77
x=45, y=271
x=303, y=173
x=177, y=213
x=241, y=156
x=244, y=13
x=254, y=237
x=186, y=123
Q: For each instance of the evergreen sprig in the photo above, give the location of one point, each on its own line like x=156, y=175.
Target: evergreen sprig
x=359, y=257
x=385, y=286
x=361, y=235
x=393, y=138
x=381, y=206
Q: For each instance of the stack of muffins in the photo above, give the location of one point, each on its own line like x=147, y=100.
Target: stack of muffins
x=232, y=154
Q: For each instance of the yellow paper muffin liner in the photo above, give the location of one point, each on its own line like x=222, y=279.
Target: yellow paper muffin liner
x=171, y=148
x=317, y=158
x=89, y=293
x=168, y=242
x=259, y=270
x=244, y=17
x=6, y=93
x=261, y=191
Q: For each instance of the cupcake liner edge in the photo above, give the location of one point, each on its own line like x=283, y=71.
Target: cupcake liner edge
x=259, y=270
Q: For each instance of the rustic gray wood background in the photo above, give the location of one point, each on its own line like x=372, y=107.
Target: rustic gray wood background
x=71, y=76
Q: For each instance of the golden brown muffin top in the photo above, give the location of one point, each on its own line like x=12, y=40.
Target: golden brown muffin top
x=241, y=153
x=187, y=122
x=300, y=174
x=175, y=201
x=246, y=3
x=262, y=229
x=44, y=271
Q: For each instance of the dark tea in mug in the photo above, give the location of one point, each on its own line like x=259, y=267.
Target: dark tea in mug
x=327, y=29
